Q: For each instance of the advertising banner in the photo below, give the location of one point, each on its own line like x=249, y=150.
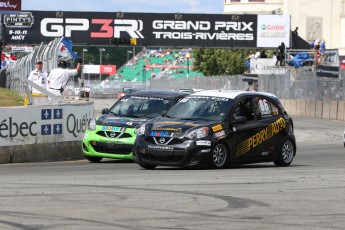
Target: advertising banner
x=327, y=71
x=148, y=29
x=10, y=6
x=266, y=66
x=44, y=124
x=273, y=30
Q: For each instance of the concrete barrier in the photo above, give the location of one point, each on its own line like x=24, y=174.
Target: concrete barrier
x=340, y=110
x=301, y=107
x=44, y=132
x=333, y=110
x=326, y=109
x=318, y=109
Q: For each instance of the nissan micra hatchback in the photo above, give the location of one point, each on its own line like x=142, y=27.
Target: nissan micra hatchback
x=112, y=134
x=217, y=129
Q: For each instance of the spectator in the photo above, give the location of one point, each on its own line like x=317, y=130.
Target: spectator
x=257, y=54
x=263, y=54
x=317, y=52
x=282, y=54
x=58, y=78
x=39, y=77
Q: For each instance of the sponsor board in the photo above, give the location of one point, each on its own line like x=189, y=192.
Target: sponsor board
x=266, y=66
x=43, y=124
x=327, y=71
x=272, y=30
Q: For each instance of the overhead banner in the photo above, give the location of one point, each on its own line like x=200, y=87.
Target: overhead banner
x=149, y=29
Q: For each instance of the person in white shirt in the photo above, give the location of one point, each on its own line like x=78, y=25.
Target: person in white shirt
x=59, y=77
x=39, y=77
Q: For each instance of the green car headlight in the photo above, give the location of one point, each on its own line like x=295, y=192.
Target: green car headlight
x=92, y=124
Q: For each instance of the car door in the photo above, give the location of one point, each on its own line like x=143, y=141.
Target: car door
x=271, y=120
x=243, y=136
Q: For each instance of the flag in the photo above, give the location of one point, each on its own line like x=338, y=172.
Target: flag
x=65, y=48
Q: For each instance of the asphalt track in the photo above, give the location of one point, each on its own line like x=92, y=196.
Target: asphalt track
x=310, y=194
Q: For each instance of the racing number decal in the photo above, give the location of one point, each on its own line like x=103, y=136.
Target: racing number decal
x=260, y=137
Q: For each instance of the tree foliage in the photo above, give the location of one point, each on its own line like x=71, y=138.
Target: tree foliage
x=213, y=62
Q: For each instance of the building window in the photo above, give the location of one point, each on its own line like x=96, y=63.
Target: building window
x=256, y=0
x=235, y=0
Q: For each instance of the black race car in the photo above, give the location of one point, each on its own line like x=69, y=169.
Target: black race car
x=217, y=129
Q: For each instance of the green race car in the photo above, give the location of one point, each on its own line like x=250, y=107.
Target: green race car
x=112, y=134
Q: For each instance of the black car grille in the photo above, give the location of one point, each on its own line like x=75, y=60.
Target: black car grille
x=167, y=141
x=112, y=149
x=116, y=134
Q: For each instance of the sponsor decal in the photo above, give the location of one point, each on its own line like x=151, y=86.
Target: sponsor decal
x=260, y=137
x=159, y=147
x=169, y=129
x=219, y=134
x=217, y=128
x=203, y=143
x=113, y=129
x=175, y=123
x=161, y=134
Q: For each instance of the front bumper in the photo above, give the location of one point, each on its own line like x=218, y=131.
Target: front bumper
x=184, y=154
x=97, y=145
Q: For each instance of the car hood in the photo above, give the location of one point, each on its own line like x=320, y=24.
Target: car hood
x=176, y=126
x=128, y=122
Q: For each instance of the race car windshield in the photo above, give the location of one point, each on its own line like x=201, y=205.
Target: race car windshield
x=201, y=108
x=142, y=107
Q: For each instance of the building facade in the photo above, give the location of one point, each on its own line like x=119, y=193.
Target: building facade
x=317, y=19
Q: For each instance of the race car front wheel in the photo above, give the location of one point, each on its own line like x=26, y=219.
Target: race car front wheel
x=93, y=159
x=286, y=154
x=220, y=156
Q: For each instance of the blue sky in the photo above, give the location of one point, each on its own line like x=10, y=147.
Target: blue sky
x=155, y=6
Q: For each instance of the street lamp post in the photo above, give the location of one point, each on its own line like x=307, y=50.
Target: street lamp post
x=100, y=61
x=187, y=56
x=82, y=76
x=128, y=52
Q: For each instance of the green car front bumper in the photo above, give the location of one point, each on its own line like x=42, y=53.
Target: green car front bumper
x=109, y=142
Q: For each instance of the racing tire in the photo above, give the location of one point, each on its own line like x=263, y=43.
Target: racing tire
x=286, y=154
x=146, y=166
x=219, y=156
x=93, y=159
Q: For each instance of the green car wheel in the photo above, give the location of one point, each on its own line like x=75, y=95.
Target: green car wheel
x=93, y=159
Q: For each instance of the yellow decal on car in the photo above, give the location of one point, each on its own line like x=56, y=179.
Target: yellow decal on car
x=217, y=128
x=260, y=137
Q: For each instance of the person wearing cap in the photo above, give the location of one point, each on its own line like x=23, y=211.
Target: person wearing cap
x=58, y=78
x=39, y=77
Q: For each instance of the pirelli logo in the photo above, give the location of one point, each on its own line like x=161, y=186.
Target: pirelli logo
x=260, y=137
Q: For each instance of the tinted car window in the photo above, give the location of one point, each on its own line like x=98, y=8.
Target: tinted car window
x=136, y=106
x=201, y=108
x=245, y=108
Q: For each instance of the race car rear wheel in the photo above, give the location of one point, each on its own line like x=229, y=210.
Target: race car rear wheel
x=220, y=156
x=286, y=154
x=94, y=159
x=146, y=166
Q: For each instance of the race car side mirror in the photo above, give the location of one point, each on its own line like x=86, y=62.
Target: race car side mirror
x=105, y=111
x=240, y=120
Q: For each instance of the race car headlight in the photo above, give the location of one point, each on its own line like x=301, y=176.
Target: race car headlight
x=92, y=124
x=141, y=130
x=198, y=133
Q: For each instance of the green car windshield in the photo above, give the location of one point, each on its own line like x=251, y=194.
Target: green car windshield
x=141, y=107
x=201, y=108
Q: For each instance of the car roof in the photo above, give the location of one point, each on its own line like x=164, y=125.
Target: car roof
x=231, y=94
x=158, y=93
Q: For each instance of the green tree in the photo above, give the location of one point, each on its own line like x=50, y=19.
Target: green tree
x=220, y=61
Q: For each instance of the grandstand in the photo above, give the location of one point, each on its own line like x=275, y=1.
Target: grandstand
x=157, y=64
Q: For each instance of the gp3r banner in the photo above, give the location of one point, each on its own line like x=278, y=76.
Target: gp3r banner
x=149, y=29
